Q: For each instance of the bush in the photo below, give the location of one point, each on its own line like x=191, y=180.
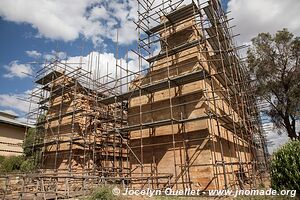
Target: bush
x=16, y=164
x=2, y=158
x=11, y=164
x=28, y=165
x=285, y=167
x=103, y=193
x=28, y=142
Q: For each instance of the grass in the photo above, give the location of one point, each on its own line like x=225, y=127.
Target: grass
x=103, y=193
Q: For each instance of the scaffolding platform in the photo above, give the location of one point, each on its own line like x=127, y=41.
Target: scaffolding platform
x=160, y=123
x=176, y=49
x=176, y=16
x=151, y=88
x=49, y=77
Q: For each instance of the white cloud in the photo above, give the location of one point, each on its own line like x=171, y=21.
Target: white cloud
x=256, y=16
x=98, y=13
x=15, y=102
x=17, y=70
x=54, y=54
x=66, y=20
x=18, y=104
x=274, y=139
x=101, y=64
x=33, y=54
x=48, y=56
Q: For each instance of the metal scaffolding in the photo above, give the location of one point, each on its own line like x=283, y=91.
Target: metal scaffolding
x=221, y=78
x=186, y=118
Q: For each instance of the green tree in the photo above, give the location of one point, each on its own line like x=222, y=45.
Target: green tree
x=273, y=62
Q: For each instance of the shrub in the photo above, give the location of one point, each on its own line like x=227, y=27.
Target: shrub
x=103, y=193
x=285, y=167
x=11, y=164
x=2, y=158
x=28, y=165
x=28, y=142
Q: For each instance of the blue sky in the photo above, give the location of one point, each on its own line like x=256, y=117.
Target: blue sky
x=31, y=30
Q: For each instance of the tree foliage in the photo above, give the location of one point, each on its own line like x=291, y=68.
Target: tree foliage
x=16, y=164
x=285, y=167
x=11, y=164
x=28, y=165
x=31, y=149
x=29, y=141
x=273, y=61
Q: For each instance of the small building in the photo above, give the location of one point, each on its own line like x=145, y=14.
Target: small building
x=12, y=133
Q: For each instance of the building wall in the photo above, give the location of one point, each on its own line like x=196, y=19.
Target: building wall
x=11, y=139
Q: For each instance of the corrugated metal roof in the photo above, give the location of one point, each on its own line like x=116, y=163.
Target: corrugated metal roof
x=13, y=122
x=8, y=115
